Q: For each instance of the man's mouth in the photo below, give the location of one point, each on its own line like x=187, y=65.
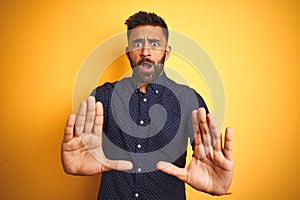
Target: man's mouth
x=146, y=65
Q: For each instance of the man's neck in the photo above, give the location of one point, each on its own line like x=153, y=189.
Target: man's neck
x=143, y=88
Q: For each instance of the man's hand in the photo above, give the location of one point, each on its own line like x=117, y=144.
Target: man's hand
x=211, y=168
x=81, y=149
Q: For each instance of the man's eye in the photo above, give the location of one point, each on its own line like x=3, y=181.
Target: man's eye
x=137, y=44
x=154, y=44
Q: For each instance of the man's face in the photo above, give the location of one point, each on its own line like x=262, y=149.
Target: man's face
x=147, y=51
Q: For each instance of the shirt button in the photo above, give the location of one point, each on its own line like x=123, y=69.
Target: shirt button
x=156, y=91
x=141, y=122
x=139, y=169
x=139, y=146
x=136, y=195
x=144, y=99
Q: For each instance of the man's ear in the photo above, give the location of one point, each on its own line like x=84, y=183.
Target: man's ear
x=167, y=52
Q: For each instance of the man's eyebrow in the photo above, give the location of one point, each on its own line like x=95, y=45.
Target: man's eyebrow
x=153, y=40
x=142, y=39
x=137, y=40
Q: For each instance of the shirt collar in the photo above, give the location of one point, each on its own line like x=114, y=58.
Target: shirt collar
x=156, y=86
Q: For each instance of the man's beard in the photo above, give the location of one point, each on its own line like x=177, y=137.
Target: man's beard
x=147, y=77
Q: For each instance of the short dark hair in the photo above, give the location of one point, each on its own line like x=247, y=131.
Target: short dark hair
x=146, y=18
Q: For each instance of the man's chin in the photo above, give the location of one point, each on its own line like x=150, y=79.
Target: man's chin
x=145, y=79
x=145, y=70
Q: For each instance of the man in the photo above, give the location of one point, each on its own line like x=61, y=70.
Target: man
x=134, y=132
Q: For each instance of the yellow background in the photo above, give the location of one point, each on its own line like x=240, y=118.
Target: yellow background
x=254, y=44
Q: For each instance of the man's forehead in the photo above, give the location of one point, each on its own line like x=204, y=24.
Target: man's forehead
x=146, y=31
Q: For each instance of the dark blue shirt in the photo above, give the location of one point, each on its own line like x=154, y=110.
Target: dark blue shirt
x=145, y=129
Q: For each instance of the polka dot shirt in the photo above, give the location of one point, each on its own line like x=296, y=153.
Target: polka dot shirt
x=144, y=129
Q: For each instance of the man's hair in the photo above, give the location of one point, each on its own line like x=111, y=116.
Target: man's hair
x=146, y=18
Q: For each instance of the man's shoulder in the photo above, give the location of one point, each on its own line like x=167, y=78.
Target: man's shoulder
x=179, y=88
x=186, y=95
x=109, y=86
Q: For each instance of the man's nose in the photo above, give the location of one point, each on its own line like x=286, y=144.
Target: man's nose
x=146, y=51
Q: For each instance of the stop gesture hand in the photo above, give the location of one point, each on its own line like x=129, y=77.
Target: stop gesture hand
x=81, y=149
x=211, y=168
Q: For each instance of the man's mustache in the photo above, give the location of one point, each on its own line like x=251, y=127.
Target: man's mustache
x=145, y=60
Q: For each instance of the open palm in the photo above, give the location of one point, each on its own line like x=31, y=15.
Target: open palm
x=81, y=149
x=211, y=168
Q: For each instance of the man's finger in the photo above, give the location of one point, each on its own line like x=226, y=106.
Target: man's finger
x=203, y=126
x=98, y=124
x=69, y=129
x=199, y=150
x=80, y=120
x=228, y=143
x=195, y=123
x=90, y=115
x=120, y=165
x=214, y=133
x=168, y=168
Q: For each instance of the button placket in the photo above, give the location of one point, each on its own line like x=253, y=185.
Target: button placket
x=139, y=145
